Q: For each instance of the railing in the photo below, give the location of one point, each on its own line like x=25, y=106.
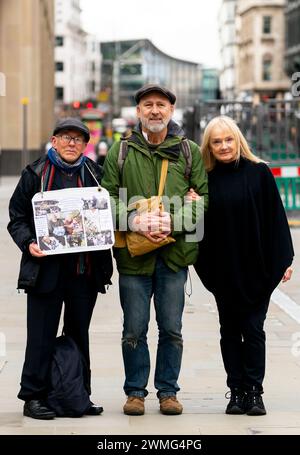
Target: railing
x=288, y=182
x=273, y=131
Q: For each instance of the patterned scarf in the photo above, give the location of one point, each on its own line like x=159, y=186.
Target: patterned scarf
x=63, y=165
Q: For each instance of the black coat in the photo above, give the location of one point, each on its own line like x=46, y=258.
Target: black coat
x=41, y=274
x=247, y=244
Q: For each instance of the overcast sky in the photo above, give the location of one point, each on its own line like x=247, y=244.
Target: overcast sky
x=184, y=29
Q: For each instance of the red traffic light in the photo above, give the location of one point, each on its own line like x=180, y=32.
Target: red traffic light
x=89, y=105
x=76, y=104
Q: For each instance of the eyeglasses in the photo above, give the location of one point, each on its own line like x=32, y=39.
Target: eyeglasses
x=66, y=139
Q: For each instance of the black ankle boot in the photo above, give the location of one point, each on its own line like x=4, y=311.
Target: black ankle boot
x=236, y=404
x=254, y=403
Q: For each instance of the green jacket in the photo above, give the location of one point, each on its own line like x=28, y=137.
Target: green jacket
x=139, y=178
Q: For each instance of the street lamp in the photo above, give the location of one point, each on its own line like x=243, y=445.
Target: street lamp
x=24, y=102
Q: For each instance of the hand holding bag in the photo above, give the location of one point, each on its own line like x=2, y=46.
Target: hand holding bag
x=138, y=244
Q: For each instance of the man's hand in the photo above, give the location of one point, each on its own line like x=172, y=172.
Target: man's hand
x=35, y=251
x=155, y=226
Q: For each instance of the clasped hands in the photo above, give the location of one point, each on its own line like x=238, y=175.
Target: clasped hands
x=155, y=225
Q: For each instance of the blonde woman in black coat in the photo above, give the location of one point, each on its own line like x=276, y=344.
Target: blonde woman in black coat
x=246, y=251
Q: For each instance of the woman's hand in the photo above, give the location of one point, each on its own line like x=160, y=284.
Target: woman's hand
x=287, y=275
x=191, y=196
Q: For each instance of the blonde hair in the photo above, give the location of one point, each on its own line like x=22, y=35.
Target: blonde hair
x=243, y=148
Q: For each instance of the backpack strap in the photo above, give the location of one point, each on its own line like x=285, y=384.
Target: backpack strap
x=186, y=150
x=122, y=153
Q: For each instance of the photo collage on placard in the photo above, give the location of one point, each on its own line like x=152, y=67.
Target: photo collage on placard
x=67, y=229
x=95, y=235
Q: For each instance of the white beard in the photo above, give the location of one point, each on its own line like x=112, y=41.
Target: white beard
x=154, y=128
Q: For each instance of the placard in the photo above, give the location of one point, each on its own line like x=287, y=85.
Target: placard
x=73, y=220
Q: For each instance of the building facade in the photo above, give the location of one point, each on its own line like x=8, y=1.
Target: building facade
x=292, y=27
x=127, y=65
x=93, y=66
x=228, y=48
x=27, y=75
x=260, y=56
x=77, y=56
x=210, y=84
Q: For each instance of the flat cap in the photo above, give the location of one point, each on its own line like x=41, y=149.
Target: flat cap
x=154, y=88
x=72, y=123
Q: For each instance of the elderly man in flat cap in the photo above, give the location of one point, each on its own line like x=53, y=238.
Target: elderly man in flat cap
x=49, y=281
x=162, y=272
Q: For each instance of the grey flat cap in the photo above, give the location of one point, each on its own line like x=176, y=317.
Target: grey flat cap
x=72, y=123
x=154, y=88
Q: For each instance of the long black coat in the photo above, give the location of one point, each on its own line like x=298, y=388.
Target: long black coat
x=41, y=274
x=247, y=244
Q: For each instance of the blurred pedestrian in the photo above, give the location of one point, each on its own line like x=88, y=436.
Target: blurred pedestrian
x=101, y=152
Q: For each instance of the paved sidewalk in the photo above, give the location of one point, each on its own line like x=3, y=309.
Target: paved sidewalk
x=202, y=377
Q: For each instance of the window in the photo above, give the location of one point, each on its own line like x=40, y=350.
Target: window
x=267, y=21
x=131, y=70
x=59, y=93
x=267, y=69
x=93, y=86
x=59, y=41
x=59, y=66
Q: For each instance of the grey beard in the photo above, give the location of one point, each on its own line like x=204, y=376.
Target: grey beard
x=154, y=128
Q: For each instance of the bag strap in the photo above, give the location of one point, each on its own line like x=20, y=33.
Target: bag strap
x=163, y=176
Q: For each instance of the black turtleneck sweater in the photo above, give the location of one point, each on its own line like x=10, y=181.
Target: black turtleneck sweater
x=247, y=244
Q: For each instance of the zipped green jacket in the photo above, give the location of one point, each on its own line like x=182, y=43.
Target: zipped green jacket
x=139, y=178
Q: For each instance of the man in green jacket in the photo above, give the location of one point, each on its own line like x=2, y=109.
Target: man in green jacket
x=163, y=272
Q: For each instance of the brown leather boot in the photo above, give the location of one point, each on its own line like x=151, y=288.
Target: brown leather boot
x=170, y=406
x=134, y=406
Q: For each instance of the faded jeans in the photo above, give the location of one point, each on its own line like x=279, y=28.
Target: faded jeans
x=136, y=291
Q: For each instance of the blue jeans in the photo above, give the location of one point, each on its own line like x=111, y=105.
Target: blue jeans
x=135, y=295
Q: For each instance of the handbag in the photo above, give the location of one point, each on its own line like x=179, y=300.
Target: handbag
x=136, y=243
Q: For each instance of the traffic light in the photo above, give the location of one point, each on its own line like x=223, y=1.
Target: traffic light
x=89, y=105
x=76, y=104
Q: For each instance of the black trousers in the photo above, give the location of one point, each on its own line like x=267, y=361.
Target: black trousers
x=79, y=296
x=243, y=343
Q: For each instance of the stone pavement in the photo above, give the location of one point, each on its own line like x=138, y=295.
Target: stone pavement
x=202, y=377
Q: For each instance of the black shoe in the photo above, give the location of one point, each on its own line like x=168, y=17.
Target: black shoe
x=94, y=410
x=236, y=404
x=254, y=403
x=36, y=409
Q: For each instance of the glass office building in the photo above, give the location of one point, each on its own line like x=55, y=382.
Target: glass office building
x=128, y=65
